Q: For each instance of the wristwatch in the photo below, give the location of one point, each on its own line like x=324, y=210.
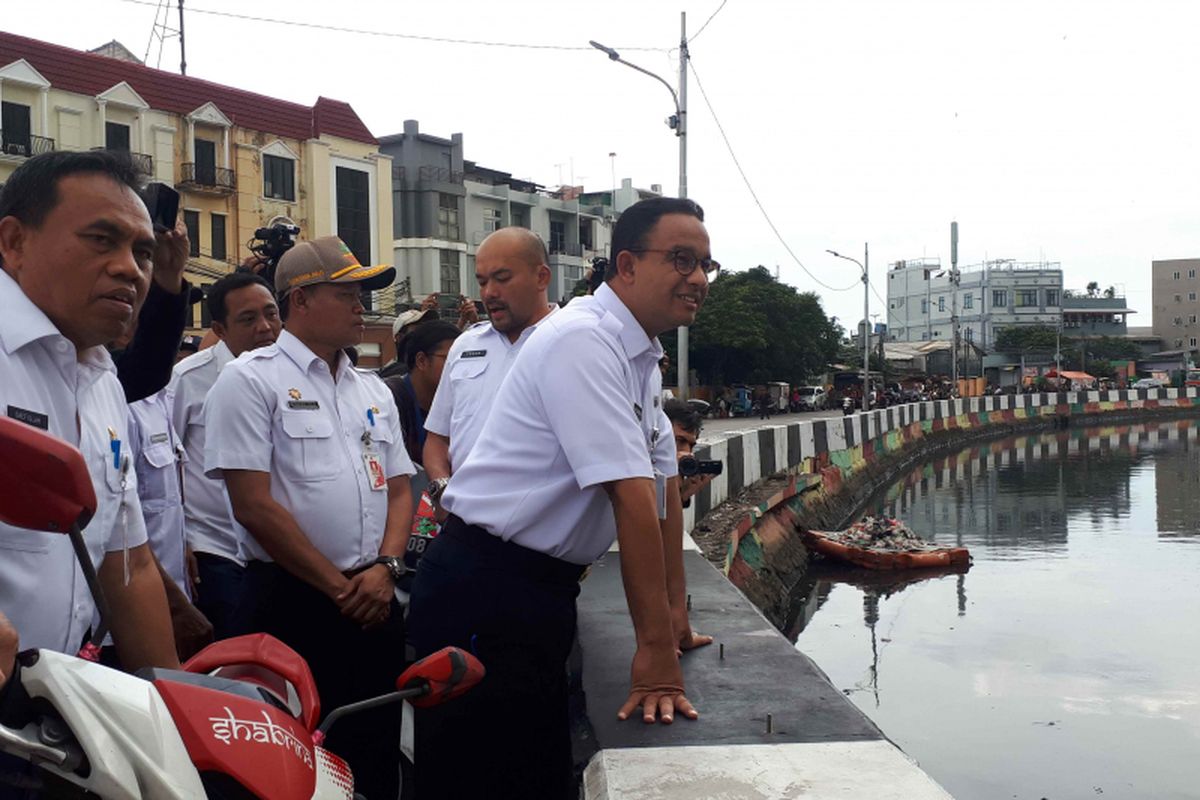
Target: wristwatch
x=395, y=566
x=436, y=487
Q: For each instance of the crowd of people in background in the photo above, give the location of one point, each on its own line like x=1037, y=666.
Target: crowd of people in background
x=265, y=484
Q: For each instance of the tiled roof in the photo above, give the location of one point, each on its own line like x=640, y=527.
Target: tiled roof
x=90, y=74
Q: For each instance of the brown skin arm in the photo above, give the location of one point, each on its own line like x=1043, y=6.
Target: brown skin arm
x=672, y=540
x=192, y=629
x=141, y=623
x=277, y=531
x=436, y=455
x=656, y=678
x=9, y=644
x=368, y=595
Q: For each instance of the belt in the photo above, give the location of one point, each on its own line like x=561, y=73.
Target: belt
x=528, y=562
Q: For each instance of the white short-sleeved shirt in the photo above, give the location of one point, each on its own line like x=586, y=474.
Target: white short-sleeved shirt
x=43, y=383
x=207, y=517
x=157, y=456
x=277, y=409
x=581, y=407
x=475, y=367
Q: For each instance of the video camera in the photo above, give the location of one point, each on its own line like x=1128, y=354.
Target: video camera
x=690, y=465
x=271, y=242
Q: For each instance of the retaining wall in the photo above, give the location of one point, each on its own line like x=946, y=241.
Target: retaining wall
x=833, y=466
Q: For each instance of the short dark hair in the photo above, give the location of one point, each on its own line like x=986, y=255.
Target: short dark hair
x=31, y=192
x=425, y=338
x=636, y=222
x=680, y=413
x=215, y=296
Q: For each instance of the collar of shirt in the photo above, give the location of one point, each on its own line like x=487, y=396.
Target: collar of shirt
x=23, y=323
x=222, y=355
x=633, y=337
x=304, y=358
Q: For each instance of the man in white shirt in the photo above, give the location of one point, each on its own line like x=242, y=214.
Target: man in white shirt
x=244, y=316
x=511, y=269
x=569, y=457
x=76, y=244
x=312, y=455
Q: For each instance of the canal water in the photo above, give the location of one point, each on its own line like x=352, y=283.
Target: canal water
x=1066, y=662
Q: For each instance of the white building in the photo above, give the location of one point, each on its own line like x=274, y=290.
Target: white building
x=991, y=296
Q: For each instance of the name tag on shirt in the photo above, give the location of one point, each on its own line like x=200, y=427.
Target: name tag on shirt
x=158, y=438
x=375, y=476
x=304, y=405
x=32, y=418
x=473, y=354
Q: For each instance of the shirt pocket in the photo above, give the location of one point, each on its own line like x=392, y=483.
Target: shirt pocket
x=310, y=451
x=381, y=431
x=467, y=378
x=25, y=541
x=159, y=458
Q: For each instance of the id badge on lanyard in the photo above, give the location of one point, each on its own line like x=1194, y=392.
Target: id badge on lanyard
x=376, y=478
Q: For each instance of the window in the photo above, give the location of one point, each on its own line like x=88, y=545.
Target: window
x=116, y=136
x=448, y=217
x=491, y=220
x=218, y=237
x=206, y=162
x=970, y=334
x=968, y=301
x=1191, y=297
x=941, y=302
x=1179, y=342
x=924, y=305
x=558, y=235
x=1052, y=297
x=1178, y=298
x=1192, y=319
x=924, y=336
x=279, y=178
x=520, y=217
x=15, y=129
x=1175, y=276
x=1177, y=321
x=1191, y=273
x=1025, y=298
x=353, y=187
x=585, y=233
x=999, y=298
x=191, y=219
x=448, y=262
x=1192, y=342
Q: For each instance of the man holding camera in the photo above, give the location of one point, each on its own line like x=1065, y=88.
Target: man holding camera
x=693, y=475
x=568, y=459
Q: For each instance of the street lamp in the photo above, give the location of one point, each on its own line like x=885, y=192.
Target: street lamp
x=678, y=123
x=866, y=322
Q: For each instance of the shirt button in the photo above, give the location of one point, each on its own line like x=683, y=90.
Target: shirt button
x=308, y=429
x=62, y=347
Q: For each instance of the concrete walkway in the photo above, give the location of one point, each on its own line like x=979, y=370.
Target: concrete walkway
x=820, y=744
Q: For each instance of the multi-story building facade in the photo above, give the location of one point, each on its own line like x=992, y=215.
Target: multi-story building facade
x=1175, y=295
x=1084, y=316
x=444, y=206
x=238, y=159
x=990, y=297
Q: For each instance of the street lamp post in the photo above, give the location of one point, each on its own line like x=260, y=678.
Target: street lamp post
x=866, y=321
x=678, y=123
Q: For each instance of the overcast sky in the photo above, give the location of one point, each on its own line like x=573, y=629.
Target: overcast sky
x=1064, y=131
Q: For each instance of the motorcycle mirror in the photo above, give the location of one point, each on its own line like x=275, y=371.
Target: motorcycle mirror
x=46, y=482
x=446, y=674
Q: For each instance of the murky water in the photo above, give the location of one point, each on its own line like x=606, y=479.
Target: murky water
x=1066, y=662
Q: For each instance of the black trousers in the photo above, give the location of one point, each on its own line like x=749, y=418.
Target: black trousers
x=348, y=663
x=515, y=610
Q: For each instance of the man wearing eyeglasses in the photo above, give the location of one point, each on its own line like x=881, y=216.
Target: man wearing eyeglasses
x=576, y=451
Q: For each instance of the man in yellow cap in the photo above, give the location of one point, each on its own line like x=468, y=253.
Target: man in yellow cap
x=313, y=457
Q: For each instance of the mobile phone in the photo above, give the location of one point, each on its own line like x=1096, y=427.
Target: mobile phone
x=163, y=204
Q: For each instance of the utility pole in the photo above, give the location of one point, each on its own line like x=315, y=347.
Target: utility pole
x=681, y=132
x=182, y=52
x=866, y=331
x=954, y=300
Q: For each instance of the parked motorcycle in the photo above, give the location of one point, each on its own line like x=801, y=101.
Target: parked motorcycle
x=239, y=721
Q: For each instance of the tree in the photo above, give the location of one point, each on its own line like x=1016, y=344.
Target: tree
x=1110, y=292
x=754, y=329
x=1093, y=289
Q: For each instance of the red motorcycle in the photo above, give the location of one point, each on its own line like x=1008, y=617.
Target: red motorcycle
x=239, y=721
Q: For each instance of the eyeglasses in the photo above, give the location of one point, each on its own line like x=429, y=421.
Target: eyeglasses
x=685, y=262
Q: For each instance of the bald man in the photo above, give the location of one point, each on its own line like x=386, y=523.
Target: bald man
x=511, y=269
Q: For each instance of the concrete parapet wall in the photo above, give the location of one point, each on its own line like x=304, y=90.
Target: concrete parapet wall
x=833, y=465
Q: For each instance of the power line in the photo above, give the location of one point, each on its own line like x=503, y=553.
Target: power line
x=753, y=194
x=710, y=19
x=386, y=34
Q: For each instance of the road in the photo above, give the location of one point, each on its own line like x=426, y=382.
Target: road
x=717, y=429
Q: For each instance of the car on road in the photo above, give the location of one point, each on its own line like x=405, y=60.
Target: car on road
x=813, y=398
x=1149, y=383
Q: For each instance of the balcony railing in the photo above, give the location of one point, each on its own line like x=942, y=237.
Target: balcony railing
x=438, y=175
x=566, y=248
x=215, y=179
x=143, y=162
x=25, y=146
